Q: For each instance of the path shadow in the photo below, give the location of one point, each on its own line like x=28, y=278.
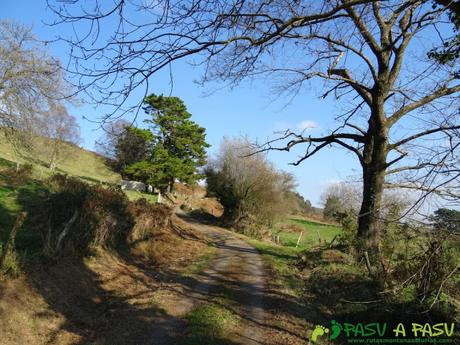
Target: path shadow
x=91, y=311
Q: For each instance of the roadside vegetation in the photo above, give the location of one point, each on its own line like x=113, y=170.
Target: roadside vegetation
x=253, y=193
x=419, y=259
x=330, y=284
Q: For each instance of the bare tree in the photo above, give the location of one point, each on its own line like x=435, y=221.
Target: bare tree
x=398, y=107
x=56, y=129
x=344, y=199
x=31, y=81
x=251, y=190
x=341, y=200
x=113, y=131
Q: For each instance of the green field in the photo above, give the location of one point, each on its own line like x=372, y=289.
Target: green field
x=314, y=233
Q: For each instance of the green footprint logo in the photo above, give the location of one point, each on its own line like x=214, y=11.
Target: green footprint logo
x=317, y=332
x=336, y=329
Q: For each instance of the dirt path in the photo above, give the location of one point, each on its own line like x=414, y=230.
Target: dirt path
x=236, y=272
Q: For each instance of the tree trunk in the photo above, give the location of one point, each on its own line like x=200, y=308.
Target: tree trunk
x=369, y=215
x=52, y=163
x=374, y=166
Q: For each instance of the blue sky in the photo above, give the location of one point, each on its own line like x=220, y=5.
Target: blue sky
x=250, y=109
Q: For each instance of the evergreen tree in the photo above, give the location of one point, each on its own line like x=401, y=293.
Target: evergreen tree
x=133, y=145
x=179, y=146
x=446, y=219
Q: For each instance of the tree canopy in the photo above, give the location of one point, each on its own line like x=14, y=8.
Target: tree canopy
x=446, y=219
x=176, y=145
x=132, y=145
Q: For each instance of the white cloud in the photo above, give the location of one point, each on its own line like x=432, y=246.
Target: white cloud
x=307, y=125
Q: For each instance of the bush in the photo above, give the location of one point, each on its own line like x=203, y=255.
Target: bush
x=77, y=216
x=147, y=218
x=11, y=262
x=420, y=265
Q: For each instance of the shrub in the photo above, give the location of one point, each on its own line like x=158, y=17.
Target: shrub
x=77, y=216
x=147, y=218
x=10, y=263
x=9, y=259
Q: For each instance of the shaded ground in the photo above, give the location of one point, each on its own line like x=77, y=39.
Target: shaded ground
x=111, y=299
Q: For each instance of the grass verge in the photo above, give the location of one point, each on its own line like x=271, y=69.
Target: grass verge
x=281, y=260
x=209, y=324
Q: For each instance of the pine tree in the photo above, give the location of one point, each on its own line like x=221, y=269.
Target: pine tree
x=179, y=145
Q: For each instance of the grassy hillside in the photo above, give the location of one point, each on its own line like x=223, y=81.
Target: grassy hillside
x=74, y=161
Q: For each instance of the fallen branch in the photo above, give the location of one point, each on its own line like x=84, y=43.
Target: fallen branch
x=66, y=229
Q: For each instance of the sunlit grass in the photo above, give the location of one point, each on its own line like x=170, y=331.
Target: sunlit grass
x=136, y=195
x=209, y=324
x=314, y=233
x=74, y=161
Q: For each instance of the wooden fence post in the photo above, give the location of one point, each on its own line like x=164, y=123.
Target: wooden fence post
x=298, y=240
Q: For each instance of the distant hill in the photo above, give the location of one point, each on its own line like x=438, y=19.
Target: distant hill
x=74, y=161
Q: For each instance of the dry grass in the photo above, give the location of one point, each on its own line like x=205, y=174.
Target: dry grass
x=194, y=198
x=107, y=298
x=162, y=238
